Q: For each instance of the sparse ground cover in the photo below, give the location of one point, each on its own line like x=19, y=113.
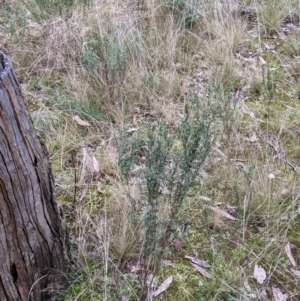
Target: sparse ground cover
x=173, y=128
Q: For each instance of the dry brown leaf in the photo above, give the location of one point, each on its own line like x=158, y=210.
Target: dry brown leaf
x=263, y=62
x=84, y=192
x=202, y=263
x=278, y=295
x=222, y=213
x=201, y=271
x=219, y=151
x=79, y=121
x=252, y=115
x=296, y=272
x=263, y=294
x=138, y=168
x=87, y=161
x=247, y=286
x=250, y=60
x=204, y=198
x=289, y=254
x=270, y=47
x=244, y=166
x=163, y=286
x=95, y=164
x=253, y=138
x=99, y=186
x=131, y=130
x=215, y=161
x=219, y=204
x=204, y=174
x=259, y=274
x=84, y=154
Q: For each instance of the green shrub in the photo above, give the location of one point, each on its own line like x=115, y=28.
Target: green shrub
x=170, y=160
x=106, y=60
x=186, y=10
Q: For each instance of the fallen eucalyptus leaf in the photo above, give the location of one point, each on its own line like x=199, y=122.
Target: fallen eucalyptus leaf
x=247, y=286
x=95, y=164
x=289, y=254
x=79, y=121
x=219, y=151
x=99, y=186
x=84, y=192
x=263, y=62
x=259, y=274
x=278, y=295
x=204, y=174
x=296, y=272
x=198, y=261
x=253, y=138
x=163, y=286
x=223, y=213
x=271, y=176
x=253, y=296
x=131, y=130
x=201, y=271
x=205, y=198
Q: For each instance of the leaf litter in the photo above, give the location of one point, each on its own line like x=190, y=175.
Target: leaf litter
x=199, y=262
x=79, y=121
x=164, y=286
x=289, y=254
x=199, y=265
x=222, y=213
x=278, y=295
x=259, y=274
x=201, y=270
x=296, y=272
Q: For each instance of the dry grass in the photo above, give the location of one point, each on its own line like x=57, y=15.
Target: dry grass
x=123, y=65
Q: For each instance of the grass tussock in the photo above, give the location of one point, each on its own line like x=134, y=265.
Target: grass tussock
x=173, y=129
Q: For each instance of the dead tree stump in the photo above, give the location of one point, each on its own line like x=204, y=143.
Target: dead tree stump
x=32, y=236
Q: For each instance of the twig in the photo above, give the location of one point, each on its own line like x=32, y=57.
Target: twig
x=35, y=282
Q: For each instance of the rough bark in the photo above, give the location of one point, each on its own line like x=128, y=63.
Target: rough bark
x=32, y=235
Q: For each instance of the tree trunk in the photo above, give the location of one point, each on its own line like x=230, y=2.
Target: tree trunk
x=33, y=247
